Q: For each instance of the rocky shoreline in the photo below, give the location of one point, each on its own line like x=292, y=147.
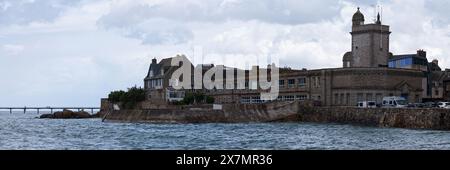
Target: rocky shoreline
x=68, y=114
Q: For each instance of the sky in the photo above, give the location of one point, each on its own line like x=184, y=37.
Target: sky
x=74, y=52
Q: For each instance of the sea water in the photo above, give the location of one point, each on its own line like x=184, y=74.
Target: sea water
x=25, y=131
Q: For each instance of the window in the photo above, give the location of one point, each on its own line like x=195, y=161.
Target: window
x=280, y=98
x=347, y=100
x=391, y=64
x=379, y=97
x=256, y=100
x=291, y=83
x=281, y=82
x=302, y=82
x=336, y=96
x=302, y=97
x=359, y=97
x=316, y=82
x=369, y=97
x=405, y=62
x=289, y=98
x=245, y=100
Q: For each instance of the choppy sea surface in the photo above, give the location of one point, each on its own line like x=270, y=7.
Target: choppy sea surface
x=25, y=131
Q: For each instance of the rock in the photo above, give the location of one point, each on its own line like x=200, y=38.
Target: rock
x=81, y=115
x=67, y=114
x=46, y=116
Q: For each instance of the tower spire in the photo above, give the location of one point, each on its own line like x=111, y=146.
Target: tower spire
x=378, y=18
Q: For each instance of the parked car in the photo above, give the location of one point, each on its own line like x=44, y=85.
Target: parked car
x=395, y=102
x=367, y=104
x=445, y=105
x=416, y=105
x=430, y=105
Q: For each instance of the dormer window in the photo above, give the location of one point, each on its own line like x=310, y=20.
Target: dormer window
x=151, y=73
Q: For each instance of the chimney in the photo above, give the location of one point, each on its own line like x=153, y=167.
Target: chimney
x=154, y=61
x=422, y=53
x=435, y=61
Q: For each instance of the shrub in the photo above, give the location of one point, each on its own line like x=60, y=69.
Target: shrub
x=115, y=96
x=128, y=99
x=210, y=100
x=198, y=98
x=189, y=98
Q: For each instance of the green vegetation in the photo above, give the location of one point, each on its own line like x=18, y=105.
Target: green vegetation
x=195, y=98
x=210, y=100
x=115, y=96
x=127, y=99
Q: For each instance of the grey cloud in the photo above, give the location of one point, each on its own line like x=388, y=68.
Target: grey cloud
x=160, y=31
x=290, y=12
x=26, y=11
x=139, y=20
x=439, y=10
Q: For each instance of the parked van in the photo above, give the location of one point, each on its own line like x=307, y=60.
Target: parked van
x=367, y=104
x=395, y=101
x=445, y=105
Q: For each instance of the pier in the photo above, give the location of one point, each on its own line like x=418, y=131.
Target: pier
x=51, y=109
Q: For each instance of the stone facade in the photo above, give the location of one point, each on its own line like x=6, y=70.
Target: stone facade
x=370, y=44
x=365, y=76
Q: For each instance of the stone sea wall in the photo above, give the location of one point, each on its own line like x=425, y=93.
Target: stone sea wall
x=437, y=119
x=229, y=114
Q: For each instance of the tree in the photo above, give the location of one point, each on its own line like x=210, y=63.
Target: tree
x=115, y=96
x=128, y=99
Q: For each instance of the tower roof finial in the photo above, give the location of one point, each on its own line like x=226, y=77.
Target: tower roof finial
x=378, y=19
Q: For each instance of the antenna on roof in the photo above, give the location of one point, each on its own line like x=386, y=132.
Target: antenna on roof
x=374, y=13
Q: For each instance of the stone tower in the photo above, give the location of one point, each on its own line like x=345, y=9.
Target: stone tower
x=370, y=43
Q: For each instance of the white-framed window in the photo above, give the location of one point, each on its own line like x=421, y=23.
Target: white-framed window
x=291, y=83
x=302, y=97
x=281, y=83
x=302, y=82
x=289, y=98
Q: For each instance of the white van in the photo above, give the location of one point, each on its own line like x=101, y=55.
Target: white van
x=395, y=101
x=445, y=105
x=367, y=104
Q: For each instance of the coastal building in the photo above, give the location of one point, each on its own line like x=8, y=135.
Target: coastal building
x=369, y=73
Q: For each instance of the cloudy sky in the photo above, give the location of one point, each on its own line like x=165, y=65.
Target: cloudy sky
x=73, y=52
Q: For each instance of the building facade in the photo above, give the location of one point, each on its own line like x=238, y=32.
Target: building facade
x=369, y=73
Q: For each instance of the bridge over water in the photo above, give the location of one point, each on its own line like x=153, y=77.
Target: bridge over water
x=51, y=109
